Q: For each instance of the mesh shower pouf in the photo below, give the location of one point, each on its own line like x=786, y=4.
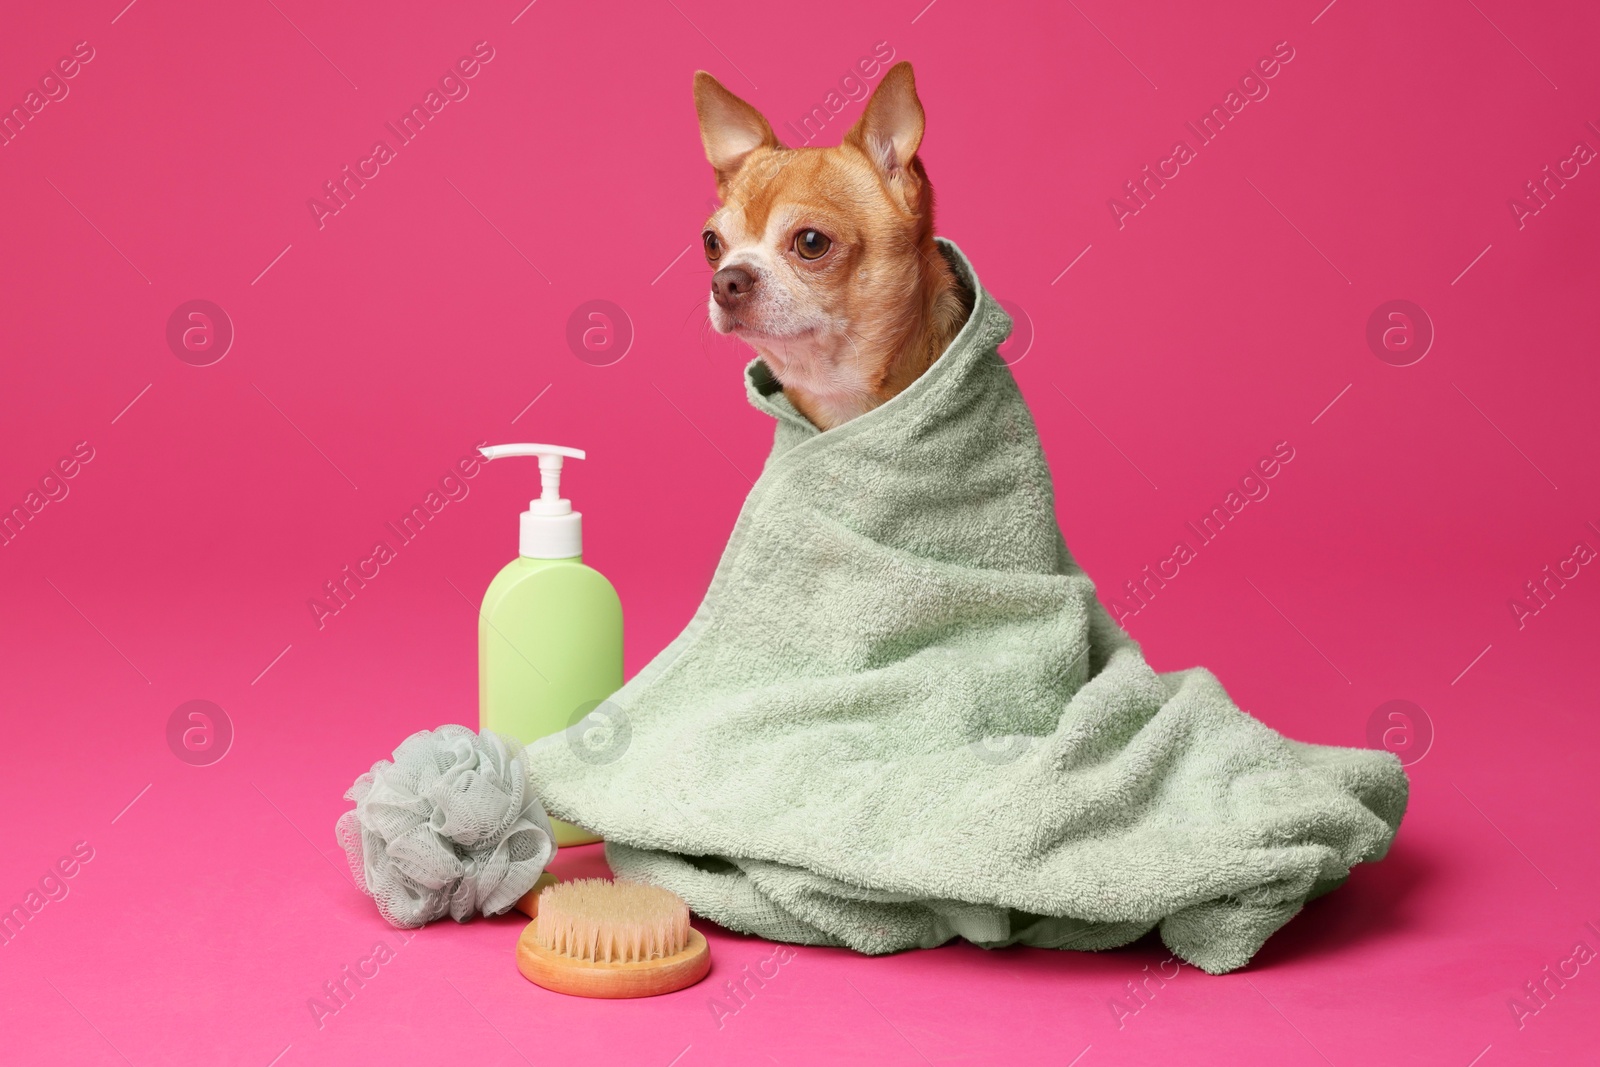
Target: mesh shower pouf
x=449, y=826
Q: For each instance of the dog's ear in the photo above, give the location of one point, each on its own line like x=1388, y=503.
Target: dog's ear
x=890, y=129
x=730, y=128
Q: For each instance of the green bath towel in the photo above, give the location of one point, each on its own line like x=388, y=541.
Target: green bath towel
x=900, y=716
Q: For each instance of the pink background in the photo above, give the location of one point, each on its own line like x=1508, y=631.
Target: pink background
x=370, y=354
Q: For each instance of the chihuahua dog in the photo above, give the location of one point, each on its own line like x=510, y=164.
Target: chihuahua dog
x=823, y=258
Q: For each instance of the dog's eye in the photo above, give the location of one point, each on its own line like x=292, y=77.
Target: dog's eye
x=713, y=246
x=810, y=244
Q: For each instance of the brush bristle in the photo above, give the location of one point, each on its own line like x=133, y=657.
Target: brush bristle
x=611, y=922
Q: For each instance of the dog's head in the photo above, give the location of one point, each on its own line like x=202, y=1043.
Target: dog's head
x=823, y=258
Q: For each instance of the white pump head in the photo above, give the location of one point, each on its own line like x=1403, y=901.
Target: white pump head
x=550, y=528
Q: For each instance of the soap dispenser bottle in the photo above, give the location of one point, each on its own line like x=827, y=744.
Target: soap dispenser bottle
x=550, y=632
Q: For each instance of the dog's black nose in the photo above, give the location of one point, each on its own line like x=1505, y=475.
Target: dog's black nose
x=730, y=285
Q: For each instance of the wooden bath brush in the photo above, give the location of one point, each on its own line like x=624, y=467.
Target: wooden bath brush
x=594, y=938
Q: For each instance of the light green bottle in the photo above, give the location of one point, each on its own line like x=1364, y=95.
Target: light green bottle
x=550, y=632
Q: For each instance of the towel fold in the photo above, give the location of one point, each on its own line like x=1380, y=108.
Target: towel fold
x=901, y=716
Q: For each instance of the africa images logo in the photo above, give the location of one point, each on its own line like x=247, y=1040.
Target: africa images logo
x=452, y=87
x=1253, y=87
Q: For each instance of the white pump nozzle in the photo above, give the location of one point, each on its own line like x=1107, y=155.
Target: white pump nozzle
x=550, y=528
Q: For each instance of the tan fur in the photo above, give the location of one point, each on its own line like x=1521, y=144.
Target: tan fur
x=848, y=331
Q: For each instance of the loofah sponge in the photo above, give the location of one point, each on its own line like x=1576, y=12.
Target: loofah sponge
x=449, y=826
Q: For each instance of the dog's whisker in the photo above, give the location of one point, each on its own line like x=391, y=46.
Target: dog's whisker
x=699, y=306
